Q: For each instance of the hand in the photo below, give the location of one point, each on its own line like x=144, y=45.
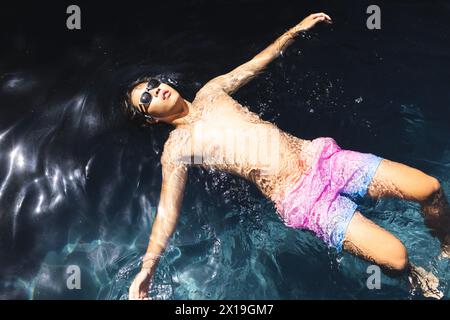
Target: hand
x=311, y=20
x=139, y=287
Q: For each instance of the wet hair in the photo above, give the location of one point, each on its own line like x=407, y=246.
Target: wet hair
x=131, y=112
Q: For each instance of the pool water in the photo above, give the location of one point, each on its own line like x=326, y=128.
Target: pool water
x=79, y=185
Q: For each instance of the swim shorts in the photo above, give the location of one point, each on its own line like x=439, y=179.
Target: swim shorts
x=323, y=199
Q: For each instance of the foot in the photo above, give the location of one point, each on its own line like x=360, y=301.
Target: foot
x=445, y=251
x=426, y=281
x=445, y=247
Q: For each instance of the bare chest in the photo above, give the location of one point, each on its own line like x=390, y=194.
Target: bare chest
x=233, y=140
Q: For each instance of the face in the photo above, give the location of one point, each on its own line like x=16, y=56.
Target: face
x=165, y=100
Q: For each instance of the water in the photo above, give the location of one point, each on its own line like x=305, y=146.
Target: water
x=79, y=185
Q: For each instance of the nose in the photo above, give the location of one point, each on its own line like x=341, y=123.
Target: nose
x=157, y=92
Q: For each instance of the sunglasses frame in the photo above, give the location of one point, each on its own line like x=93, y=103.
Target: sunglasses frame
x=143, y=107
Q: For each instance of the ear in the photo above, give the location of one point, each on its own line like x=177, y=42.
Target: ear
x=154, y=121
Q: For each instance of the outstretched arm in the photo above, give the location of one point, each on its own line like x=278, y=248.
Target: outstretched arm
x=233, y=80
x=174, y=178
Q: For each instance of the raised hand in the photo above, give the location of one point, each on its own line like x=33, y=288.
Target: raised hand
x=311, y=20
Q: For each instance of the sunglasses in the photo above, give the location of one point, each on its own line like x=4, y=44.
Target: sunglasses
x=146, y=97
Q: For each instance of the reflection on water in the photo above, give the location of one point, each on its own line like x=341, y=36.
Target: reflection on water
x=79, y=185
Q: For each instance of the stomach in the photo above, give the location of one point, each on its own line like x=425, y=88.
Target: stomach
x=279, y=167
x=259, y=152
x=292, y=167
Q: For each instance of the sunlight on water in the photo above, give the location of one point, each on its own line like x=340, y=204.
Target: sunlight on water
x=242, y=253
x=79, y=185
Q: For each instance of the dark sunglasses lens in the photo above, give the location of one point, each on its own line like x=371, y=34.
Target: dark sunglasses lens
x=145, y=98
x=152, y=84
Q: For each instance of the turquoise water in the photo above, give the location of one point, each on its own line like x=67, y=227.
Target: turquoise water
x=235, y=257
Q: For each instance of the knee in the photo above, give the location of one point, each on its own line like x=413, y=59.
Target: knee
x=435, y=186
x=432, y=188
x=398, y=260
x=400, y=264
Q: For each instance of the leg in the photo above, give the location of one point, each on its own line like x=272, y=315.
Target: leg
x=363, y=239
x=393, y=179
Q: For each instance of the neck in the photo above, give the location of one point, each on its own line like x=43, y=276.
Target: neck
x=181, y=117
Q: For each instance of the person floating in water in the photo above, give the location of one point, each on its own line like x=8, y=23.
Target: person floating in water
x=313, y=183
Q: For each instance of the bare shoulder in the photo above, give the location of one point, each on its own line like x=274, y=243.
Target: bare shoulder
x=209, y=90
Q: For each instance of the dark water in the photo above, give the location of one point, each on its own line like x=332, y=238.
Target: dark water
x=79, y=185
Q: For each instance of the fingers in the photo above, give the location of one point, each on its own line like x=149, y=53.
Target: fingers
x=321, y=16
x=136, y=294
x=143, y=296
x=133, y=293
x=133, y=296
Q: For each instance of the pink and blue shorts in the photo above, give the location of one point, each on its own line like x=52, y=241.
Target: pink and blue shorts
x=323, y=199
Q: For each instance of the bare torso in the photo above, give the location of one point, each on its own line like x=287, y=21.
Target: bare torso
x=219, y=133
x=224, y=135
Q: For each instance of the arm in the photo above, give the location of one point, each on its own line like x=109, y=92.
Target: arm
x=174, y=178
x=233, y=80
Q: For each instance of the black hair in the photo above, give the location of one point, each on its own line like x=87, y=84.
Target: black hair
x=131, y=112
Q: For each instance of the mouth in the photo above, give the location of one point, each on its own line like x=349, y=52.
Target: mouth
x=164, y=94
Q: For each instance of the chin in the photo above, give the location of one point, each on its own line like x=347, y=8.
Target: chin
x=176, y=99
x=174, y=96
